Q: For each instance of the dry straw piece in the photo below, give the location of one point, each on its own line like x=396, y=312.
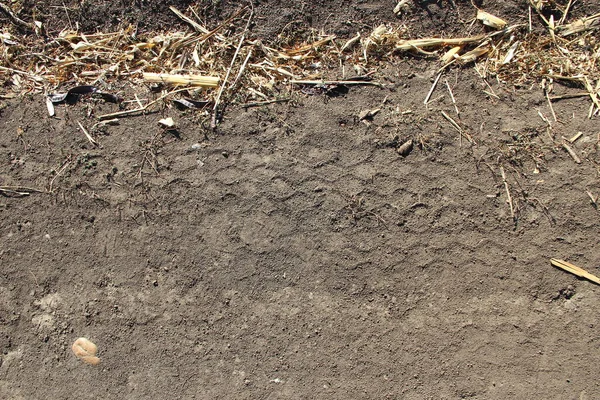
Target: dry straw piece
x=575, y=270
x=86, y=351
x=182, y=80
x=202, y=56
x=491, y=20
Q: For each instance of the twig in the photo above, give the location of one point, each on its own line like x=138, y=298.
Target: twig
x=59, y=173
x=576, y=137
x=213, y=123
x=342, y=83
x=571, y=151
x=141, y=109
x=562, y=19
x=509, y=197
x=16, y=71
x=575, y=270
x=67, y=14
x=242, y=69
x=592, y=198
x=593, y=94
x=34, y=278
x=539, y=13
x=350, y=42
x=432, y=89
x=543, y=117
x=190, y=80
x=87, y=135
x=19, y=191
x=264, y=103
x=451, y=96
x=550, y=106
x=569, y=96
x=197, y=27
x=6, y=9
x=457, y=127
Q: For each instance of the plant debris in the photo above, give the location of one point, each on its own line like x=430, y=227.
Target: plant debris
x=182, y=104
x=206, y=57
x=575, y=270
x=73, y=95
x=167, y=123
x=491, y=20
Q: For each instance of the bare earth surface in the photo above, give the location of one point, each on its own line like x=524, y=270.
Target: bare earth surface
x=295, y=254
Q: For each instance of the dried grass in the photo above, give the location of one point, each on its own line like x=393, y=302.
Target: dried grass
x=566, y=50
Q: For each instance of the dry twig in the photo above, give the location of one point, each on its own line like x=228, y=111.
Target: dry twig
x=508, y=196
x=575, y=270
x=213, y=123
x=571, y=152
x=10, y=14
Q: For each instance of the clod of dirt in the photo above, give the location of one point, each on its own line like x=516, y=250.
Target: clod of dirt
x=86, y=351
x=405, y=148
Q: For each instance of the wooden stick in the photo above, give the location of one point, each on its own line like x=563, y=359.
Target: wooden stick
x=11, y=15
x=179, y=80
x=562, y=19
x=592, y=93
x=264, y=103
x=543, y=117
x=432, y=89
x=592, y=198
x=576, y=137
x=569, y=96
x=62, y=169
x=419, y=44
x=575, y=270
x=451, y=96
x=350, y=42
x=218, y=28
x=550, y=106
x=571, y=151
x=197, y=27
x=87, y=135
x=242, y=69
x=141, y=109
x=345, y=83
x=458, y=128
x=18, y=190
x=539, y=13
x=16, y=71
x=509, y=197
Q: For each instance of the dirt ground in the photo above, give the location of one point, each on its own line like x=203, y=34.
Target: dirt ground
x=294, y=253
